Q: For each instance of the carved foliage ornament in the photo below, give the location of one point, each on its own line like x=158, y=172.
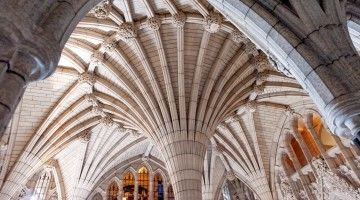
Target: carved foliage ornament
x=87, y=77
x=127, y=31
x=212, y=22
x=102, y=10
x=153, y=23
x=329, y=186
x=179, y=19
x=285, y=187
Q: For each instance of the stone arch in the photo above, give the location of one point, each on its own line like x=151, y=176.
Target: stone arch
x=278, y=33
x=97, y=196
x=237, y=177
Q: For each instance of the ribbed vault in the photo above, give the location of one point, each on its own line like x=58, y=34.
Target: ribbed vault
x=174, y=74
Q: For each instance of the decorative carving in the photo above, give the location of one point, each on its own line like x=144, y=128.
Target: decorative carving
x=87, y=78
x=329, y=186
x=230, y=175
x=251, y=106
x=120, y=128
x=109, y=44
x=285, y=187
x=85, y=136
x=278, y=66
x=261, y=77
x=135, y=133
x=102, y=10
x=179, y=19
x=96, y=59
x=258, y=89
x=98, y=110
x=212, y=22
x=153, y=23
x=107, y=121
x=127, y=31
x=238, y=37
x=260, y=62
x=91, y=99
x=250, y=48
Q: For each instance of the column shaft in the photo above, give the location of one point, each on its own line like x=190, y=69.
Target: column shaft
x=185, y=160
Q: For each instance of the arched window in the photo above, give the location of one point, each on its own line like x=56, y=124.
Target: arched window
x=143, y=176
x=325, y=137
x=288, y=164
x=308, y=138
x=113, y=191
x=158, y=187
x=171, y=195
x=97, y=196
x=128, y=186
x=298, y=152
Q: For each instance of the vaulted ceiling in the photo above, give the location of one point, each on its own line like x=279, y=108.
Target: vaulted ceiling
x=133, y=72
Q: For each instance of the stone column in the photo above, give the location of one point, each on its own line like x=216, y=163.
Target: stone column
x=184, y=160
x=166, y=193
x=151, y=186
x=23, y=58
x=121, y=190
x=136, y=188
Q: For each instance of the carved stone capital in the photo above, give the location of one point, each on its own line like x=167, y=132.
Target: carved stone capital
x=212, y=22
x=102, y=10
x=250, y=48
x=230, y=175
x=98, y=110
x=107, y=121
x=238, y=37
x=96, y=59
x=85, y=136
x=109, y=44
x=91, y=99
x=87, y=78
x=135, y=133
x=260, y=62
x=261, y=77
x=258, y=89
x=153, y=23
x=179, y=19
x=127, y=31
x=120, y=128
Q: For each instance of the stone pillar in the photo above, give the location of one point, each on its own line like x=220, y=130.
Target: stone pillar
x=166, y=193
x=184, y=160
x=23, y=58
x=151, y=186
x=121, y=190
x=136, y=188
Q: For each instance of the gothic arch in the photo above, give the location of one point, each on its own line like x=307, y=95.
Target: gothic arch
x=279, y=34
